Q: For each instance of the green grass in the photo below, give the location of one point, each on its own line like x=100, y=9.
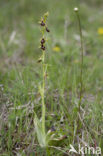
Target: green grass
x=21, y=74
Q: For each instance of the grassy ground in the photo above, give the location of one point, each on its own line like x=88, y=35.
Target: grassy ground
x=21, y=74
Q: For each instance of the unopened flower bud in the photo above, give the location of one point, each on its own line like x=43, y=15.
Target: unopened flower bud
x=76, y=9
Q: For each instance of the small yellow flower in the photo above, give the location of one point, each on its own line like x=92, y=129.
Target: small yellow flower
x=56, y=49
x=76, y=61
x=100, y=31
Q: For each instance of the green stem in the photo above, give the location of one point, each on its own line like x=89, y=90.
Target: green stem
x=81, y=72
x=43, y=94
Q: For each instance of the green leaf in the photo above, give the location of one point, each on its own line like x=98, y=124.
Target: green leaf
x=40, y=135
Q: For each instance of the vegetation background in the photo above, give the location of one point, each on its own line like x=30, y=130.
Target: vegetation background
x=20, y=75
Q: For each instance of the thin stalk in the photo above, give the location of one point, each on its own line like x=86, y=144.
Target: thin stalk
x=43, y=94
x=81, y=66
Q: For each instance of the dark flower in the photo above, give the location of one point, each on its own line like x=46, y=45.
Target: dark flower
x=42, y=41
x=42, y=47
x=47, y=29
x=42, y=23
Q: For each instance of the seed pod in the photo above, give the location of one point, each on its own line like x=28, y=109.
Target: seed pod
x=46, y=75
x=47, y=29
